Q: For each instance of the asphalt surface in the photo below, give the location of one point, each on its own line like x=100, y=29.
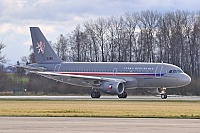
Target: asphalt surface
x=170, y=97
x=97, y=125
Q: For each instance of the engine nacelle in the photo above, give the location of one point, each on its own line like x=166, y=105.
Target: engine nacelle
x=113, y=88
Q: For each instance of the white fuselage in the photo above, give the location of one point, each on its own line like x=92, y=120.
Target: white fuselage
x=142, y=75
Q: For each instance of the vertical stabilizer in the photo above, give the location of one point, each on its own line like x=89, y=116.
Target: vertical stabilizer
x=42, y=50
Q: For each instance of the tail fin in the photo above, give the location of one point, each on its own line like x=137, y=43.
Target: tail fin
x=42, y=50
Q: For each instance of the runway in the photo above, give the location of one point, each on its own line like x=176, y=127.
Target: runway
x=97, y=125
x=170, y=97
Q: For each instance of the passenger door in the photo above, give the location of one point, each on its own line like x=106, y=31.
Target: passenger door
x=158, y=71
x=114, y=71
x=57, y=68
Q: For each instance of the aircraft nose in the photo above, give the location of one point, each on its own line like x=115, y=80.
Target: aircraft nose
x=185, y=79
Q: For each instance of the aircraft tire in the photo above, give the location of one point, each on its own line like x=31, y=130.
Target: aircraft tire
x=95, y=94
x=98, y=94
x=164, y=96
x=123, y=95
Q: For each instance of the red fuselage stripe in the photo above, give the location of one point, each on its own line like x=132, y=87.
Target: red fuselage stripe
x=108, y=74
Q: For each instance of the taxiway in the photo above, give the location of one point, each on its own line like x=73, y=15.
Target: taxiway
x=170, y=97
x=97, y=125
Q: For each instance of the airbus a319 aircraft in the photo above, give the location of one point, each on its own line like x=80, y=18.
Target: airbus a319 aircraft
x=112, y=78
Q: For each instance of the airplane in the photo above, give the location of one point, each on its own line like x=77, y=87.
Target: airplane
x=112, y=78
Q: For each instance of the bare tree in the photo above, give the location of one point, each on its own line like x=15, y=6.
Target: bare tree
x=131, y=20
x=2, y=57
x=148, y=23
x=61, y=47
x=100, y=32
x=92, y=38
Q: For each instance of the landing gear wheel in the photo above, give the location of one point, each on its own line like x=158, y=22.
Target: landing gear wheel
x=123, y=95
x=164, y=96
x=98, y=94
x=163, y=93
x=95, y=94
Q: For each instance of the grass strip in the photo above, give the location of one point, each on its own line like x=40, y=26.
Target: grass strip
x=99, y=108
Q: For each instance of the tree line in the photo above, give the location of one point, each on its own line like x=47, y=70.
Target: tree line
x=147, y=36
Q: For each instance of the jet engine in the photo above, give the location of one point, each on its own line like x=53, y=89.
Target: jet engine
x=113, y=88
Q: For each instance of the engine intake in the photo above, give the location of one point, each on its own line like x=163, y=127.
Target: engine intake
x=113, y=88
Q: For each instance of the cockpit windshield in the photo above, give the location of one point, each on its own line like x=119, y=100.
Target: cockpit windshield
x=175, y=71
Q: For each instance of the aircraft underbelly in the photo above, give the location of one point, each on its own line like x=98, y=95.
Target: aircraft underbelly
x=157, y=82
x=131, y=82
x=150, y=82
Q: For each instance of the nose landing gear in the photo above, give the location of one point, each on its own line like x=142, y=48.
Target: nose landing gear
x=163, y=96
x=163, y=93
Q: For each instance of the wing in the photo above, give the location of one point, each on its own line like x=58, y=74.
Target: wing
x=29, y=69
x=79, y=80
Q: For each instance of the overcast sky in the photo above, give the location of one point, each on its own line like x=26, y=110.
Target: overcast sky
x=55, y=17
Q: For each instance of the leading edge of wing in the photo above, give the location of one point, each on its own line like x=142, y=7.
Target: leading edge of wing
x=79, y=76
x=29, y=68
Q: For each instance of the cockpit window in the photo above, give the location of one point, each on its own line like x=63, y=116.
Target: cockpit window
x=179, y=71
x=175, y=71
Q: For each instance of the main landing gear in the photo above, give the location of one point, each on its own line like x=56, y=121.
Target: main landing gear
x=163, y=93
x=123, y=95
x=95, y=94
